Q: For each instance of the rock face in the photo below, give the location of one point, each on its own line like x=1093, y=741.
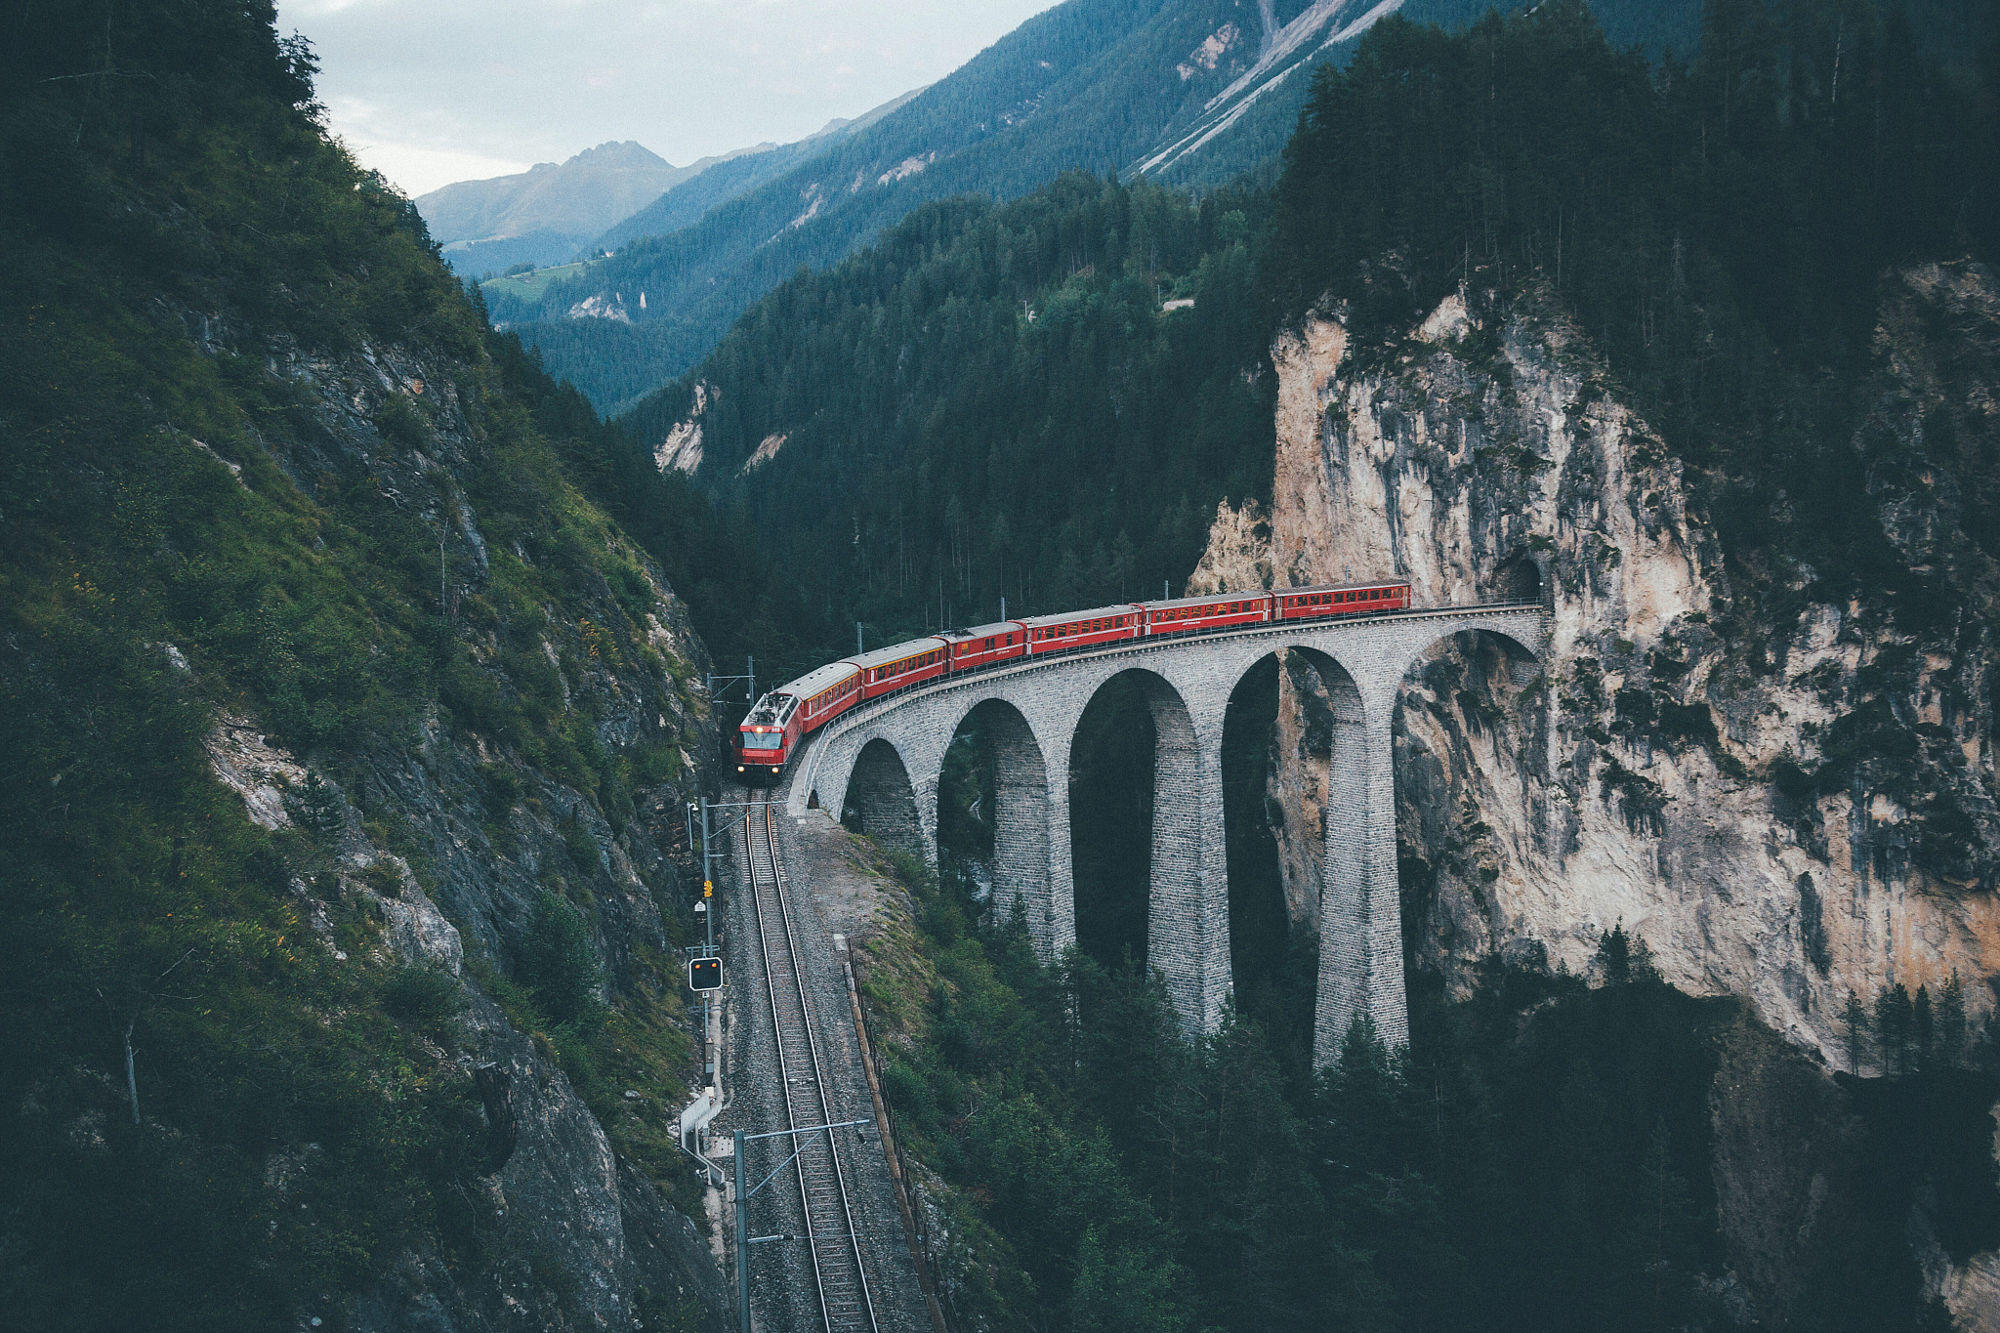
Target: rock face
x=1787, y=806
x=1789, y=798
x=451, y=838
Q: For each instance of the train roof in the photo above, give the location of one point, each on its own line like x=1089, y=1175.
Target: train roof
x=1249, y=594
x=1343, y=587
x=1065, y=617
x=896, y=652
x=980, y=631
x=817, y=679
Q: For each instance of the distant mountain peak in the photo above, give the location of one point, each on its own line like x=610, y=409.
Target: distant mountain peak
x=549, y=212
x=622, y=153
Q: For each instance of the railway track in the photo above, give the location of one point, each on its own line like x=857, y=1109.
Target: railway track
x=845, y=1301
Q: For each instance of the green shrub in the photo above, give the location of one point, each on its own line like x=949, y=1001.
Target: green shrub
x=425, y=997
x=557, y=963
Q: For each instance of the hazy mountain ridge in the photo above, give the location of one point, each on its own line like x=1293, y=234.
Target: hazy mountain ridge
x=1089, y=85
x=550, y=211
x=684, y=203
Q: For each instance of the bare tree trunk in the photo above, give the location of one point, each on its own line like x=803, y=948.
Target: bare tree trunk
x=131, y=1074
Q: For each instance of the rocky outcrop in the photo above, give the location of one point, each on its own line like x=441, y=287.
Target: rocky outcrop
x=1789, y=799
x=681, y=449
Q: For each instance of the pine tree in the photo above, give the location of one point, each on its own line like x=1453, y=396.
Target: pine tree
x=1854, y=1022
x=1892, y=1028
x=1922, y=1031
x=1950, y=1021
x=316, y=802
x=1614, y=955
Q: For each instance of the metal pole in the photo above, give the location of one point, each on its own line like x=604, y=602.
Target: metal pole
x=857, y=638
x=707, y=876
x=1003, y=606
x=1163, y=591
x=753, y=682
x=742, y=1238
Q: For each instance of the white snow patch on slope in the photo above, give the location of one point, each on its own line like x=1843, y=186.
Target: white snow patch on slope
x=1287, y=48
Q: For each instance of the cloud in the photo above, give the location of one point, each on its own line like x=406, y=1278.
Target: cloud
x=479, y=87
x=416, y=169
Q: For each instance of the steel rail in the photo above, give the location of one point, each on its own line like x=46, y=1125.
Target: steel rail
x=839, y=1276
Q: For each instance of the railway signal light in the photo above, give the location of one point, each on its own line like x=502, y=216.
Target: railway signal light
x=704, y=974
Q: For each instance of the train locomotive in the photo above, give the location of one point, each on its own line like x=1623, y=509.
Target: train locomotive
x=782, y=719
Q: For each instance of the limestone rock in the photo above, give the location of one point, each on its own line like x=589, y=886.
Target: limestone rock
x=1653, y=773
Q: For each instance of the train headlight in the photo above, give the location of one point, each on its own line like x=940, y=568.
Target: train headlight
x=739, y=768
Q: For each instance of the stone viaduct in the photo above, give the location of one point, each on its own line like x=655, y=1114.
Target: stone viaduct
x=885, y=759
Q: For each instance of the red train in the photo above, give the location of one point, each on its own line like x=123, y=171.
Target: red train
x=782, y=718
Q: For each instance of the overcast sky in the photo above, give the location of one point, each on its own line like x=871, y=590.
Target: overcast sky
x=433, y=91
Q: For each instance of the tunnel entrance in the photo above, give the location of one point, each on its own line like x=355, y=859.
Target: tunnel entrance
x=1516, y=579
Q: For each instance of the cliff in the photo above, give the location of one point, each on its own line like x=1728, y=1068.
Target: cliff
x=1788, y=799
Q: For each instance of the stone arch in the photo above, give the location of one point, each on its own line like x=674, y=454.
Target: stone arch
x=1335, y=849
x=1522, y=662
x=1021, y=811
x=1186, y=927
x=881, y=801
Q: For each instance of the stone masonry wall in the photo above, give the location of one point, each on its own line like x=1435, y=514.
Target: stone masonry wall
x=1187, y=683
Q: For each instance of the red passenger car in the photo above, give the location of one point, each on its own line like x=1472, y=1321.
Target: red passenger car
x=899, y=665
x=1327, y=601
x=769, y=734
x=1078, y=629
x=1187, y=614
x=984, y=644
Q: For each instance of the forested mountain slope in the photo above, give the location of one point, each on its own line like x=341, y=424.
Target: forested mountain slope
x=342, y=743
x=1094, y=85
x=1042, y=400
x=685, y=204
